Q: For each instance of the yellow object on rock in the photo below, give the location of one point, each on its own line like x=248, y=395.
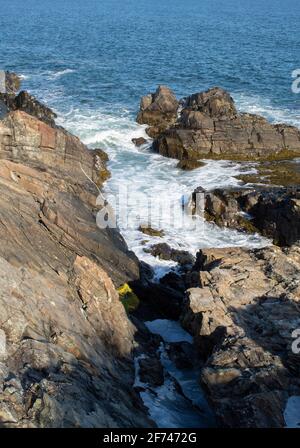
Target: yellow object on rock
x=129, y=299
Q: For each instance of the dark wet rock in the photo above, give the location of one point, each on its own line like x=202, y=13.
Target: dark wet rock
x=183, y=354
x=157, y=300
x=189, y=165
x=148, y=230
x=165, y=252
x=242, y=319
x=139, y=141
x=147, y=342
x=209, y=126
x=101, y=154
x=274, y=212
x=151, y=371
x=27, y=103
x=277, y=215
x=158, y=109
x=153, y=131
x=229, y=207
x=174, y=280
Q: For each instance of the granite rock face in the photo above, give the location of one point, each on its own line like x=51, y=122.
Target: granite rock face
x=209, y=126
x=242, y=317
x=159, y=110
x=65, y=340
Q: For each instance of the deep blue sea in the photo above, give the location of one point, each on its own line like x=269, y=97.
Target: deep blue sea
x=92, y=60
x=106, y=53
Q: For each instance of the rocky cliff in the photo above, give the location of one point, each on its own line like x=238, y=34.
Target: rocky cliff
x=65, y=340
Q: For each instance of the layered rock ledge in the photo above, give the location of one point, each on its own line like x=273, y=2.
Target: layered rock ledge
x=65, y=340
x=208, y=125
x=242, y=316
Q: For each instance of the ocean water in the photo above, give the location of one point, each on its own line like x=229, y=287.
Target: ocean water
x=92, y=60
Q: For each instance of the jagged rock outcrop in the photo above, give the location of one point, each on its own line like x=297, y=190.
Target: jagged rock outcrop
x=242, y=317
x=274, y=212
x=159, y=110
x=11, y=101
x=12, y=82
x=209, y=126
x=165, y=252
x=66, y=341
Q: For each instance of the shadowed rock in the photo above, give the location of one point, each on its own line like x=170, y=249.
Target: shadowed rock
x=165, y=252
x=274, y=212
x=242, y=318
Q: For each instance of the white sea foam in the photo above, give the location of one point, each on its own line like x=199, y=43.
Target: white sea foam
x=24, y=77
x=255, y=104
x=60, y=73
x=145, y=174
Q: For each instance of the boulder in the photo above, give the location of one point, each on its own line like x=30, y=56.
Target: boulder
x=140, y=141
x=150, y=231
x=189, y=165
x=183, y=354
x=165, y=252
x=242, y=318
x=209, y=126
x=158, y=109
x=161, y=299
x=215, y=103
